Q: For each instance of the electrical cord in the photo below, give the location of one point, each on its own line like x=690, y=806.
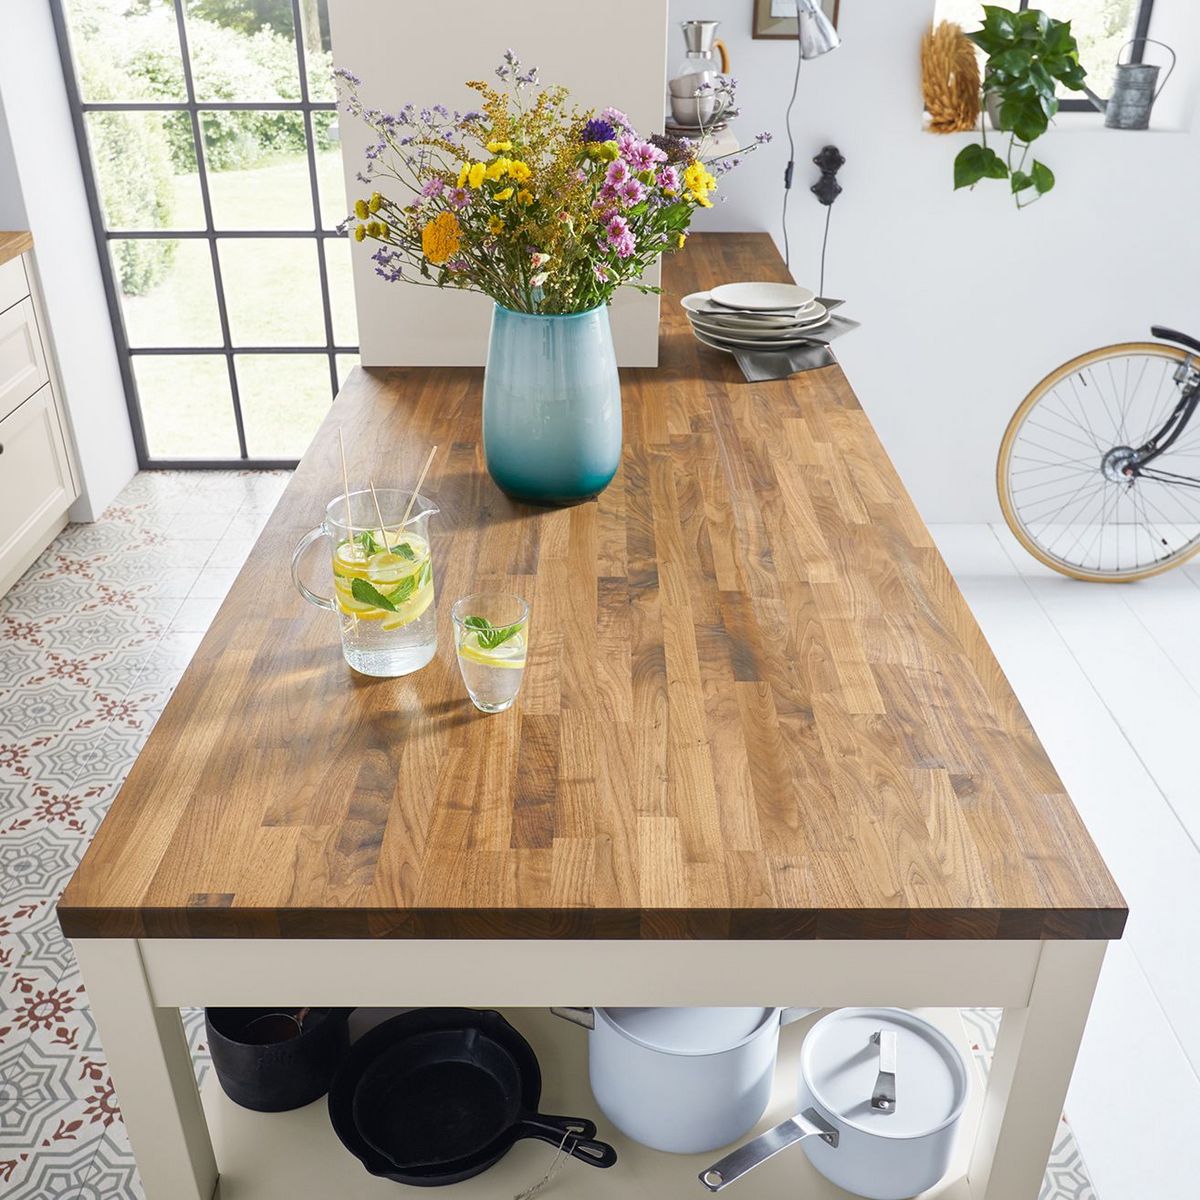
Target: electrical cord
x=791, y=166
x=824, y=244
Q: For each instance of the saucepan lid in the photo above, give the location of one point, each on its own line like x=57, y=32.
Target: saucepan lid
x=885, y=1071
x=689, y=1030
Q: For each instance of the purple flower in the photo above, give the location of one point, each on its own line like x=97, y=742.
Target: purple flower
x=763, y=138
x=626, y=142
x=668, y=178
x=601, y=272
x=632, y=190
x=676, y=149
x=348, y=76
x=617, y=172
x=615, y=117
x=615, y=229
x=610, y=193
x=433, y=187
x=597, y=130
x=459, y=197
x=625, y=245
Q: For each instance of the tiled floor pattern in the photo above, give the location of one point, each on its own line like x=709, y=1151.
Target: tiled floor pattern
x=92, y=641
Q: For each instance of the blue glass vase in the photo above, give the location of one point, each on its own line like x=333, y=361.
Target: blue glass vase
x=551, y=405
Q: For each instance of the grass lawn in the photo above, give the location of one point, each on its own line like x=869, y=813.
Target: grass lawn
x=273, y=296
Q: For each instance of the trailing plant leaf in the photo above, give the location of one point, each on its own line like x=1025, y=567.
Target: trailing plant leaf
x=976, y=162
x=1021, y=181
x=1043, y=177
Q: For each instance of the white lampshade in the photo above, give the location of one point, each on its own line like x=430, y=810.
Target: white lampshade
x=817, y=34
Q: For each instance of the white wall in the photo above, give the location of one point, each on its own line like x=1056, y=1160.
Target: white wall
x=965, y=302
x=408, y=325
x=50, y=184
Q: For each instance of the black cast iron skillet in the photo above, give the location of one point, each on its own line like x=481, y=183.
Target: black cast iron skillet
x=438, y=1095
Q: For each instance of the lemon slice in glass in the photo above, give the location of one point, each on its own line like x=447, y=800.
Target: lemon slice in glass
x=510, y=653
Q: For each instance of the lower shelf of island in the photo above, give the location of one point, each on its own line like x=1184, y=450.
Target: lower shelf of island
x=297, y=1155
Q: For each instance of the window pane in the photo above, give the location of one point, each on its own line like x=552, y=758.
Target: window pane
x=272, y=291
x=258, y=170
x=284, y=397
x=167, y=292
x=318, y=53
x=341, y=291
x=1101, y=27
x=186, y=406
x=242, y=51
x=145, y=170
x=126, y=51
x=345, y=364
x=330, y=180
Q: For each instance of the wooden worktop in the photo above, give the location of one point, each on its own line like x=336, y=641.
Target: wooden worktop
x=757, y=704
x=14, y=242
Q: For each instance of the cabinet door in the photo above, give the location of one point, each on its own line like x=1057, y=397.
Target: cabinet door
x=35, y=484
x=22, y=362
x=14, y=285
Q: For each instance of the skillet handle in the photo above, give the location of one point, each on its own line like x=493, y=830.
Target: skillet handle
x=576, y=1135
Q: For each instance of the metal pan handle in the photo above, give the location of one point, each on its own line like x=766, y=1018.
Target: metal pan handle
x=745, y=1158
x=576, y=1135
x=883, y=1094
x=583, y=1017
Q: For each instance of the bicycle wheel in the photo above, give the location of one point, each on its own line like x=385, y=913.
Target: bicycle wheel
x=1060, y=473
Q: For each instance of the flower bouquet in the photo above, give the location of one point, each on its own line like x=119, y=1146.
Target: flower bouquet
x=547, y=209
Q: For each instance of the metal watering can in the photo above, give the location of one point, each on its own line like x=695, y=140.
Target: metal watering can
x=1135, y=89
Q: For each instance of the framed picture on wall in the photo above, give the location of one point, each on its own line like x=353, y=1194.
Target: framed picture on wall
x=777, y=18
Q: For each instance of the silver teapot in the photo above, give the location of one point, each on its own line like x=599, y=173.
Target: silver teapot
x=1135, y=89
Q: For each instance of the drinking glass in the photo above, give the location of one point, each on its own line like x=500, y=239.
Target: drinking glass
x=491, y=635
x=382, y=579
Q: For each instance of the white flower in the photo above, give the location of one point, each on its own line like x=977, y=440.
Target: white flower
x=539, y=259
x=539, y=279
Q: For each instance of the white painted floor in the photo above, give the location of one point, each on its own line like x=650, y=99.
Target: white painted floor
x=1110, y=677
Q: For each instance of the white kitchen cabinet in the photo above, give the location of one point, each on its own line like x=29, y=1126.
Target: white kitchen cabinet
x=38, y=478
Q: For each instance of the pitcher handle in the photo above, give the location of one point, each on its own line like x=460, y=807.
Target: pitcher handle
x=1153, y=42
x=297, y=554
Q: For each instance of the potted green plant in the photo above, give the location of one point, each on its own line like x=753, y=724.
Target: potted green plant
x=1028, y=55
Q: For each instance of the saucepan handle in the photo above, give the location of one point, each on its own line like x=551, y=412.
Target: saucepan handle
x=297, y=554
x=745, y=1158
x=583, y=1017
x=788, y=1015
x=576, y=1135
x=883, y=1094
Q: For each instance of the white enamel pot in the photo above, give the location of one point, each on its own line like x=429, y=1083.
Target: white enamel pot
x=685, y=1080
x=880, y=1100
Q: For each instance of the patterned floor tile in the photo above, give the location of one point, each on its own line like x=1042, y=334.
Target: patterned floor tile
x=92, y=642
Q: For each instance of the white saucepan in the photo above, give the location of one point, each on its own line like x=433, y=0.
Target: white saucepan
x=683, y=1080
x=881, y=1097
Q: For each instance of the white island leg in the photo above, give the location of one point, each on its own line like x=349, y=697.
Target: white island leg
x=1031, y=1070
x=147, y=1054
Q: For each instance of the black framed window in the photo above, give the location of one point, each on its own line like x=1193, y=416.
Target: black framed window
x=1101, y=27
x=207, y=131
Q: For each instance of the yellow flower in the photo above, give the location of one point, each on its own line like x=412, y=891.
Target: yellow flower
x=375, y=201
x=498, y=147
x=360, y=209
x=503, y=195
x=525, y=196
x=463, y=172
x=681, y=240
x=495, y=225
x=360, y=232
x=475, y=175
x=703, y=201
x=698, y=182
x=519, y=171
x=374, y=229
x=440, y=237
x=385, y=230
x=496, y=170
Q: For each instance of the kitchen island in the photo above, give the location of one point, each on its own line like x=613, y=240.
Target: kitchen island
x=763, y=755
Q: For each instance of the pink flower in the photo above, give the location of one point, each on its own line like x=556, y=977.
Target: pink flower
x=632, y=190
x=625, y=245
x=601, y=272
x=617, y=173
x=538, y=259
x=668, y=178
x=614, y=116
x=433, y=188
x=459, y=197
x=642, y=156
x=616, y=228
x=609, y=193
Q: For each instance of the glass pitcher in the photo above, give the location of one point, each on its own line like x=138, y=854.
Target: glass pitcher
x=382, y=579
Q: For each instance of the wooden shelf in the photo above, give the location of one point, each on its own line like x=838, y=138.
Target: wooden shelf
x=297, y=1156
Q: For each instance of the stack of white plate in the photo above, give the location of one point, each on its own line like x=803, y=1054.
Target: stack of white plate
x=755, y=316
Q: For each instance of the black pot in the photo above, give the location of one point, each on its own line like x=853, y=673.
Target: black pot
x=271, y=1065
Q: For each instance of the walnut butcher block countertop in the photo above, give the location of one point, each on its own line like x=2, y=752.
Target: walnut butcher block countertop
x=757, y=705
x=14, y=242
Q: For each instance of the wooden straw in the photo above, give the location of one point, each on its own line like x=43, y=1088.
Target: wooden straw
x=387, y=537
x=345, y=481
x=420, y=480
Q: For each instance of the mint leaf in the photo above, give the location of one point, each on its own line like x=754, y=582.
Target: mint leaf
x=366, y=592
x=405, y=551
x=489, y=639
x=403, y=589
x=366, y=539
x=477, y=623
